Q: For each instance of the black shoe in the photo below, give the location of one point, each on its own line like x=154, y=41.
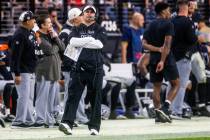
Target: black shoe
x=162, y=116
x=56, y=124
x=166, y=110
x=187, y=114
x=38, y=125
x=158, y=119
x=21, y=125
x=167, y=113
x=204, y=112
x=9, y=118
x=129, y=114
x=113, y=115
x=2, y=123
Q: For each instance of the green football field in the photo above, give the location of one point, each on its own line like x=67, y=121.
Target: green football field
x=198, y=128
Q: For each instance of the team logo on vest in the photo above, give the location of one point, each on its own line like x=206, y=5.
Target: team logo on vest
x=17, y=42
x=30, y=37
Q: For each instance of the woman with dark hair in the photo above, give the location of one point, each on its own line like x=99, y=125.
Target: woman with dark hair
x=47, y=72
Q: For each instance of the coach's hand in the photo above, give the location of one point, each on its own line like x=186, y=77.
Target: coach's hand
x=160, y=66
x=17, y=80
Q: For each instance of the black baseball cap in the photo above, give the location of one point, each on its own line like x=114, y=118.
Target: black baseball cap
x=25, y=16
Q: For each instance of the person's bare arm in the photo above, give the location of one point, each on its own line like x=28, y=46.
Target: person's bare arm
x=164, y=53
x=143, y=63
x=124, y=47
x=166, y=48
x=150, y=47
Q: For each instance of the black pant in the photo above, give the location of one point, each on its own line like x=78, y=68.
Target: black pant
x=203, y=96
x=10, y=92
x=93, y=81
x=129, y=96
x=115, y=91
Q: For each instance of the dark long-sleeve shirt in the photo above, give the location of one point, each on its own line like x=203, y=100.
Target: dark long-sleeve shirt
x=23, y=58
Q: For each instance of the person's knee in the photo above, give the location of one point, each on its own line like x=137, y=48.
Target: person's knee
x=175, y=84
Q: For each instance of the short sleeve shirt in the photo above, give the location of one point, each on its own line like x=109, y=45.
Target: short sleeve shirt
x=155, y=35
x=133, y=37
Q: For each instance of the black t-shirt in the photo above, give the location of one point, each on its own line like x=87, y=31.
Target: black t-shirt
x=155, y=35
x=185, y=37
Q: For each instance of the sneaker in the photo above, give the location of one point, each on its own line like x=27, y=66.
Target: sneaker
x=187, y=115
x=21, y=125
x=65, y=128
x=175, y=116
x=129, y=114
x=94, y=132
x=112, y=115
x=158, y=119
x=163, y=117
x=204, y=112
x=38, y=125
x=166, y=112
x=2, y=123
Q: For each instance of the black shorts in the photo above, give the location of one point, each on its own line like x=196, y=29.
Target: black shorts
x=169, y=73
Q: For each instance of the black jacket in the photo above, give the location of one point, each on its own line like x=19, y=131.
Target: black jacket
x=23, y=58
x=65, y=32
x=90, y=59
